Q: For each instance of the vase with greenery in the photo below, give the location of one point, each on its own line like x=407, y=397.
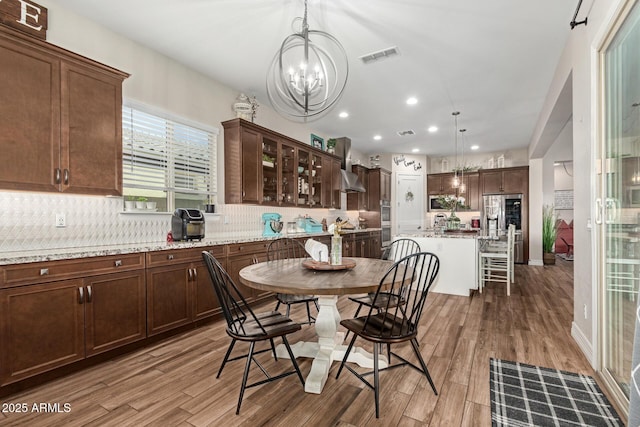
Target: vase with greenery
x=549, y=233
x=331, y=145
x=141, y=203
x=452, y=203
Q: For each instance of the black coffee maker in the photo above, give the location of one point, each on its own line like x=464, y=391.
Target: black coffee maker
x=187, y=224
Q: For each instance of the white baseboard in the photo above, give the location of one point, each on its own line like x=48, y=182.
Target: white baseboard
x=536, y=262
x=583, y=343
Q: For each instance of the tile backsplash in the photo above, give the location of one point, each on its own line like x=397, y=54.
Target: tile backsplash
x=27, y=221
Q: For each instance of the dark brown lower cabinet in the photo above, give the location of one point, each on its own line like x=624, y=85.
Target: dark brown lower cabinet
x=53, y=324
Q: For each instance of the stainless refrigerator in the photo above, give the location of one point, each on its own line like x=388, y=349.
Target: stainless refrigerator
x=498, y=212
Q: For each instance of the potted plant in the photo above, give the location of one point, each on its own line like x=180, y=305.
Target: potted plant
x=141, y=203
x=129, y=203
x=331, y=145
x=549, y=233
x=268, y=160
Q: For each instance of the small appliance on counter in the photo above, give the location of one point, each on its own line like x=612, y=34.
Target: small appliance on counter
x=312, y=226
x=439, y=220
x=187, y=224
x=272, y=224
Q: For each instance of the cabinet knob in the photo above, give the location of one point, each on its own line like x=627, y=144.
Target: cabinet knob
x=190, y=273
x=44, y=271
x=81, y=295
x=57, y=176
x=169, y=257
x=89, y=293
x=66, y=177
x=118, y=263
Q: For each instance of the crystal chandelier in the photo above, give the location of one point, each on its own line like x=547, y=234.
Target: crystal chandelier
x=308, y=74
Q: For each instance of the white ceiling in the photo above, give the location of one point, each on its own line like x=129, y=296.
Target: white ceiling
x=492, y=60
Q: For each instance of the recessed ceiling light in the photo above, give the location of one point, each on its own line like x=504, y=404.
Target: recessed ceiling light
x=415, y=150
x=475, y=147
x=377, y=137
x=343, y=115
x=433, y=129
x=412, y=101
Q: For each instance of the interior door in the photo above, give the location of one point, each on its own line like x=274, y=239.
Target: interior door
x=619, y=249
x=410, y=203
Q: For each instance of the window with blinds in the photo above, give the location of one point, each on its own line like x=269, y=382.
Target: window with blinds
x=167, y=162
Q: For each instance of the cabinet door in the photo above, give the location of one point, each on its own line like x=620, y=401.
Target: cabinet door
x=115, y=310
x=237, y=263
x=374, y=190
x=316, y=183
x=491, y=182
x=385, y=185
x=515, y=180
x=29, y=118
x=303, y=178
x=169, y=302
x=270, y=175
x=473, y=192
x=41, y=328
x=251, y=166
x=434, y=184
x=336, y=184
x=91, y=131
x=288, y=174
x=206, y=302
x=375, y=244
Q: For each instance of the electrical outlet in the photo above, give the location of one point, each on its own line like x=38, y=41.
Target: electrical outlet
x=584, y=306
x=61, y=220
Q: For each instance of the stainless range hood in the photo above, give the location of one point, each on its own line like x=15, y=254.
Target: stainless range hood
x=350, y=181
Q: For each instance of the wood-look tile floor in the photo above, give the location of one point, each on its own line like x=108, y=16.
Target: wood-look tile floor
x=173, y=383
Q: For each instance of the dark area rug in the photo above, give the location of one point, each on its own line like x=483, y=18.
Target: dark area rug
x=527, y=395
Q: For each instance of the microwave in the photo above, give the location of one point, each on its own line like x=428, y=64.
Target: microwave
x=434, y=204
x=633, y=196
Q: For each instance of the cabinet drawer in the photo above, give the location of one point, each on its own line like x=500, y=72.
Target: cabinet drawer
x=183, y=255
x=174, y=256
x=40, y=272
x=248, y=248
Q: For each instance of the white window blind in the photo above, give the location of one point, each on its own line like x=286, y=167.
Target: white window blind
x=160, y=154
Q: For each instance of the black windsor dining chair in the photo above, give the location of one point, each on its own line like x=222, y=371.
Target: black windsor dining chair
x=387, y=324
x=245, y=325
x=286, y=248
x=398, y=249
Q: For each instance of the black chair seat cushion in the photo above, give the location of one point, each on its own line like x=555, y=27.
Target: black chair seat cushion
x=381, y=328
x=274, y=324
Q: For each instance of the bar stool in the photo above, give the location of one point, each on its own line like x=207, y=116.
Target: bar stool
x=495, y=262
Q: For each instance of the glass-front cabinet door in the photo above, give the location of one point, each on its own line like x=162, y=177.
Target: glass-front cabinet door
x=304, y=186
x=269, y=171
x=288, y=175
x=315, y=180
x=619, y=224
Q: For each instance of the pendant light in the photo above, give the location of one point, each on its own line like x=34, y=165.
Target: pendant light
x=456, y=180
x=462, y=188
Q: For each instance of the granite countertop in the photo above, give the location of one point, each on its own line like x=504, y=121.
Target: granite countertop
x=22, y=257
x=458, y=234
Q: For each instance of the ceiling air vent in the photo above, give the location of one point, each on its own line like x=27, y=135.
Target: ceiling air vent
x=406, y=132
x=381, y=54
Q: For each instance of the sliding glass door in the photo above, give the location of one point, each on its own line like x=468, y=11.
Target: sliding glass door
x=620, y=229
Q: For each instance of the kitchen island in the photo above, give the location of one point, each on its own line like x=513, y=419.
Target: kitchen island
x=458, y=255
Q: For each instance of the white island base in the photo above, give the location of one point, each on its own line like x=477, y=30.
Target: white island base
x=329, y=347
x=458, y=257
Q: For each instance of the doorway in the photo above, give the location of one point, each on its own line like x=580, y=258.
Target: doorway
x=410, y=203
